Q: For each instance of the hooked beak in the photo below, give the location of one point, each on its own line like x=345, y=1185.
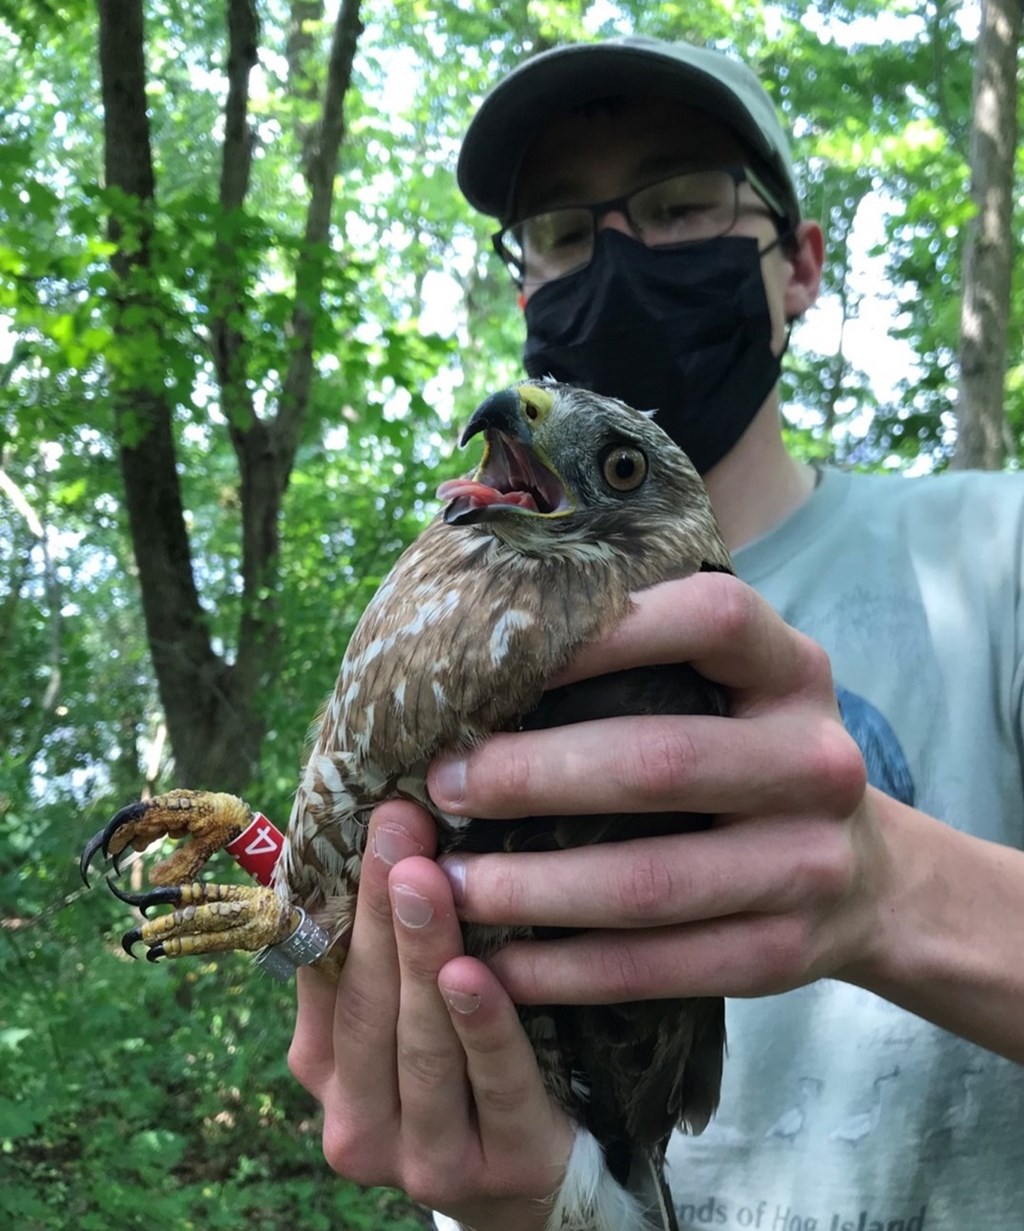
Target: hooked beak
x=511, y=476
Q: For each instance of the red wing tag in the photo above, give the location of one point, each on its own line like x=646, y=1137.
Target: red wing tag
x=258, y=848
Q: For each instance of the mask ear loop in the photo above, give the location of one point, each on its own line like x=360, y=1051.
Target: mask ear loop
x=790, y=322
x=786, y=233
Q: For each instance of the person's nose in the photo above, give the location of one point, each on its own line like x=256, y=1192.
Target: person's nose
x=614, y=220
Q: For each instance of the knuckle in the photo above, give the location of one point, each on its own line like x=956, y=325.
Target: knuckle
x=503, y=1099
x=521, y=971
x=504, y=890
x=839, y=767
x=821, y=872
x=374, y=900
x=833, y=876
x=422, y=1189
x=417, y=957
x=622, y=973
x=835, y=872
x=305, y=1066
x=421, y=1182
x=813, y=664
x=644, y=887
x=357, y=1017
x=661, y=761
x=430, y=1067
x=735, y=606
x=507, y=779
x=345, y=1151
x=783, y=955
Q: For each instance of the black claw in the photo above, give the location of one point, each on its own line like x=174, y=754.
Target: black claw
x=129, y=814
x=168, y=895
x=130, y=939
x=95, y=843
x=101, y=841
x=155, y=954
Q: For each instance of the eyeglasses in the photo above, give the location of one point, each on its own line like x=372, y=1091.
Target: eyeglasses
x=683, y=209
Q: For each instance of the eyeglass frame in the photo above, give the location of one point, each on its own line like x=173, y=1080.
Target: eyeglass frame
x=739, y=174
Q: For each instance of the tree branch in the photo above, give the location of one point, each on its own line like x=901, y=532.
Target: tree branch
x=35, y=736
x=302, y=85
x=266, y=449
x=226, y=278
x=954, y=130
x=17, y=498
x=322, y=169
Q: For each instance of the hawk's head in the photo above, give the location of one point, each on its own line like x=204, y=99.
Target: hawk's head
x=562, y=465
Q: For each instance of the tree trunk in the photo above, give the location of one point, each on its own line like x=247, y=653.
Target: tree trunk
x=190, y=675
x=211, y=706
x=988, y=251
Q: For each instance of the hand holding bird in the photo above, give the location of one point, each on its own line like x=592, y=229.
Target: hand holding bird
x=579, y=502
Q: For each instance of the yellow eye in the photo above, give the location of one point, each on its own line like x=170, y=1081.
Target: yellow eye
x=624, y=468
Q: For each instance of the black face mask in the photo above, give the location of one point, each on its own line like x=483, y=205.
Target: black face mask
x=685, y=332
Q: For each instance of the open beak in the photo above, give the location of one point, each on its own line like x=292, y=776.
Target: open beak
x=511, y=477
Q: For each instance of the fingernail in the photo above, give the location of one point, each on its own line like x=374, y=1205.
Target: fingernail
x=455, y=869
x=462, y=1002
x=449, y=780
x=392, y=843
x=410, y=907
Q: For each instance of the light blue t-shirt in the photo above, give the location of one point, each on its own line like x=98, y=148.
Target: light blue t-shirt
x=840, y=1111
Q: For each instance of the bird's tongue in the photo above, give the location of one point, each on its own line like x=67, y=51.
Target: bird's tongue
x=510, y=477
x=476, y=495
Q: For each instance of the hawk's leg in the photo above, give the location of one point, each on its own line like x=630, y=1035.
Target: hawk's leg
x=209, y=919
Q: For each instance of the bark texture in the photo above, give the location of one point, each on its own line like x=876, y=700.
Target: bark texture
x=988, y=251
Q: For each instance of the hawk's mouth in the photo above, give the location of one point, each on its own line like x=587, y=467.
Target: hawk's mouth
x=510, y=477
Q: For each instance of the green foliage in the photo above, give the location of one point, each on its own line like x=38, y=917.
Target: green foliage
x=134, y=1096
x=130, y=1095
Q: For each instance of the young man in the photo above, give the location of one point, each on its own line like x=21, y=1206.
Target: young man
x=867, y=924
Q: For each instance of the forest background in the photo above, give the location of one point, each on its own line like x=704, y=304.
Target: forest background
x=243, y=310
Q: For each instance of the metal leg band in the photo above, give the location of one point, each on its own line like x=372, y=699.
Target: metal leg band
x=307, y=944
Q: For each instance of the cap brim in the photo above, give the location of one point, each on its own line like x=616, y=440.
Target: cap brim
x=557, y=81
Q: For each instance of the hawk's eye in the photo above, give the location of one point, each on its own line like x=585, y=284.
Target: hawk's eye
x=624, y=468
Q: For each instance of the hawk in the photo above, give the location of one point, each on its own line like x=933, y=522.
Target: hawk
x=579, y=500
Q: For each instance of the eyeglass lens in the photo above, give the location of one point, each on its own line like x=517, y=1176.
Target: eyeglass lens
x=682, y=209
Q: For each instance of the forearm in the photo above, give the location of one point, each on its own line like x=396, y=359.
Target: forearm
x=950, y=930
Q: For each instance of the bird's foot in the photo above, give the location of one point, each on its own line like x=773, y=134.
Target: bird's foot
x=206, y=918
x=209, y=919
x=211, y=819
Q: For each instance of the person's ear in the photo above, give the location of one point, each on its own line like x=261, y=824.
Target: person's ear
x=806, y=263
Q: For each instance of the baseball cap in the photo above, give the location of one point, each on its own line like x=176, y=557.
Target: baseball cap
x=555, y=81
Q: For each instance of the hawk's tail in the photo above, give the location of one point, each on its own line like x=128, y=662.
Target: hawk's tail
x=591, y=1199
